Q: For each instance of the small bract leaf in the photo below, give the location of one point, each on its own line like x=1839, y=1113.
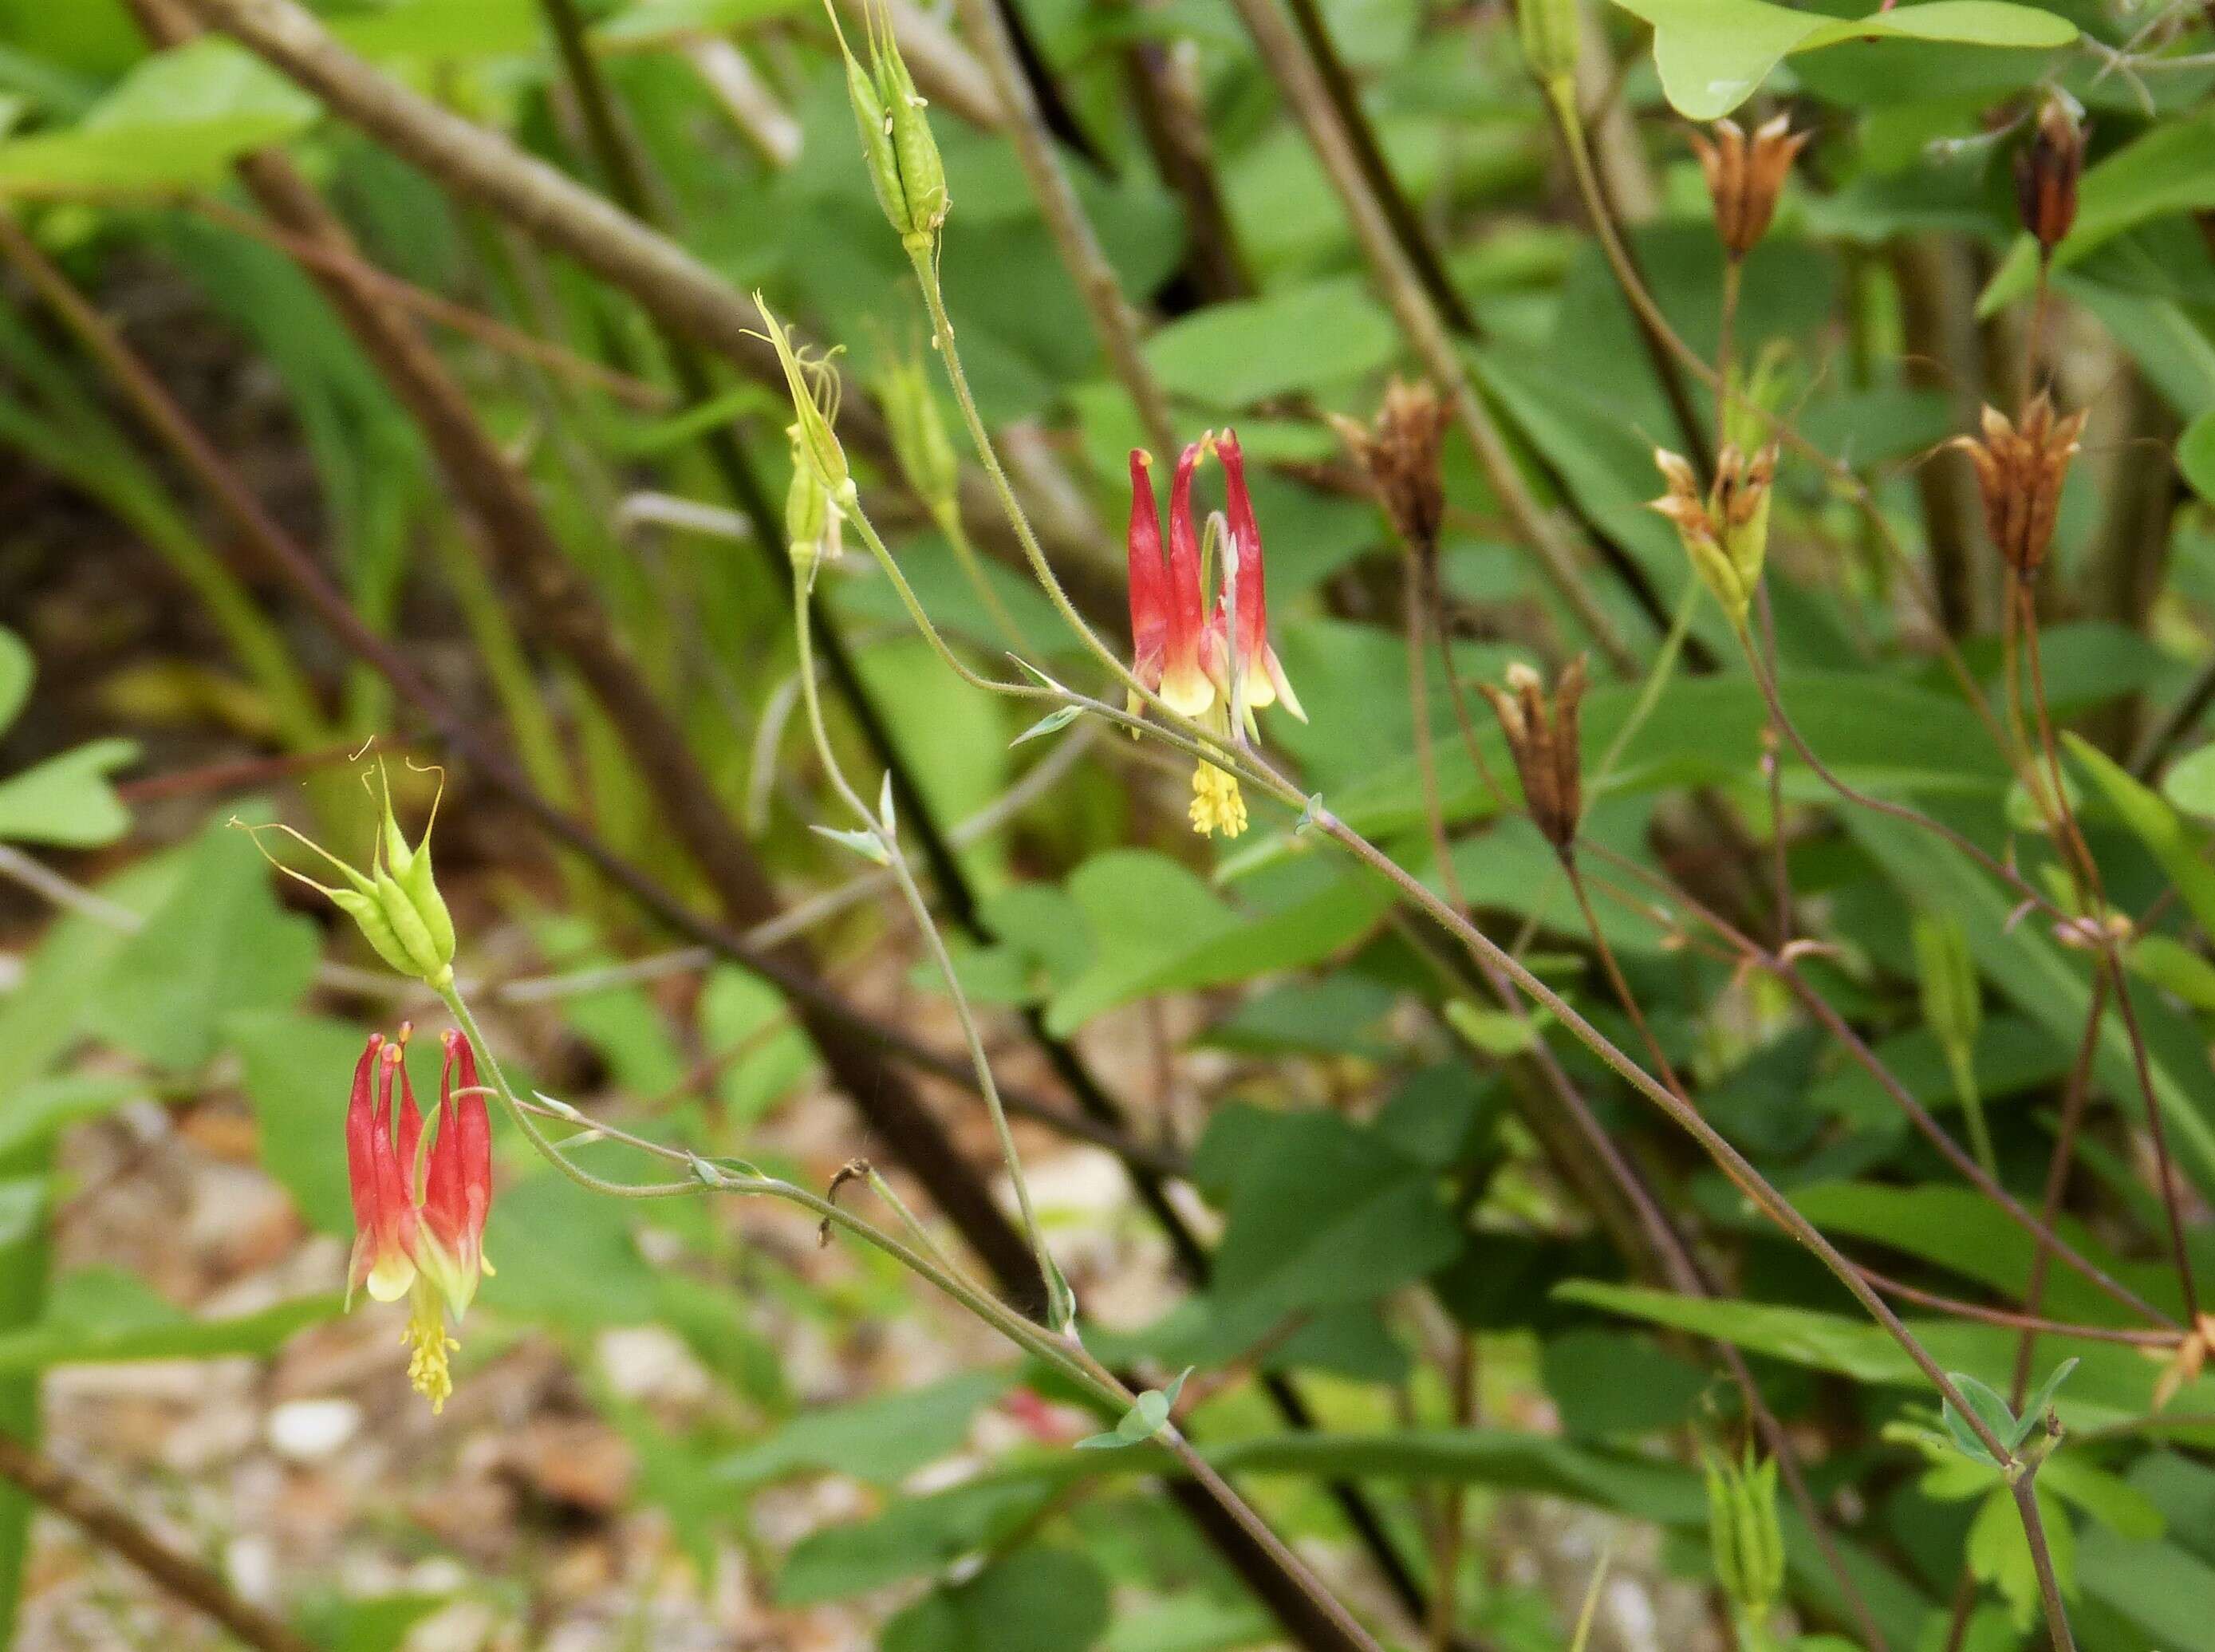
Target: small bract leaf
x=863, y=844
x=1052, y=723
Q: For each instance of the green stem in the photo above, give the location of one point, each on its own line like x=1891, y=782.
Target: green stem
x=1062, y=1309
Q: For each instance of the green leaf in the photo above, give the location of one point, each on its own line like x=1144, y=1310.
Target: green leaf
x=16, y=670
x=2035, y=1408
x=2163, y=172
x=297, y=1069
x=1156, y=928
x=144, y=1328
x=178, y=118
x=38, y=1111
x=2161, y=1588
x=1230, y=355
x=2175, y=844
x=1320, y=1214
x=2195, y=457
x=883, y=1439
x=1999, y=1553
x=219, y=945
x=747, y=1027
x=2190, y=783
x=1989, y=1409
x=1712, y=54
x=1037, y=1599
x=2175, y=969
x=1052, y=723
x=439, y=30
x=863, y=844
x=66, y=800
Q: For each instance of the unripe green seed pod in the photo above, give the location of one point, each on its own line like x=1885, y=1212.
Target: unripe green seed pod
x=896, y=145
x=1549, y=31
x=920, y=442
x=1744, y=1536
x=1952, y=1005
x=369, y=916
x=806, y=514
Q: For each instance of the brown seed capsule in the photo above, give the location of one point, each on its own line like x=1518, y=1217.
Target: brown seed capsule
x=2020, y=470
x=1542, y=738
x=2046, y=173
x=1400, y=454
x=1745, y=177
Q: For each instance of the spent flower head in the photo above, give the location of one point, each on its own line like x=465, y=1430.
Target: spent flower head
x=2047, y=169
x=2021, y=467
x=1542, y=737
x=1399, y=454
x=1746, y=176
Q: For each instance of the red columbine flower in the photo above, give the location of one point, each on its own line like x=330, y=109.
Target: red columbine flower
x=1178, y=649
x=1261, y=679
x=418, y=1217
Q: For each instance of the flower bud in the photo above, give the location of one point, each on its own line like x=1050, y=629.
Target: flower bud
x=1743, y=1533
x=1745, y=177
x=2046, y=173
x=897, y=144
x=1549, y=31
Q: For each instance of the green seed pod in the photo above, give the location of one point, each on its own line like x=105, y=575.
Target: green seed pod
x=1744, y=1536
x=808, y=516
x=920, y=442
x=1952, y=1005
x=369, y=916
x=426, y=960
x=921, y=173
x=1549, y=31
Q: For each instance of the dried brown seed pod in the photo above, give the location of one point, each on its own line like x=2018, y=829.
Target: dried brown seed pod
x=1542, y=739
x=1399, y=453
x=1746, y=176
x=2020, y=469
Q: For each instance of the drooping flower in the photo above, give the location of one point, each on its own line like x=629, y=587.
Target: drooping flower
x=419, y=1207
x=1261, y=679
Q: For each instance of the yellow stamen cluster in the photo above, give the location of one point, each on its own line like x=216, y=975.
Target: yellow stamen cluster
x=428, y=1347
x=1217, y=805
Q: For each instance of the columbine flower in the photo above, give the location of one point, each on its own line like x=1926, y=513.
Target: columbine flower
x=1542, y=738
x=1261, y=679
x=1181, y=652
x=2020, y=470
x=1726, y=534
x=418, y=1217
x=1745, y=176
